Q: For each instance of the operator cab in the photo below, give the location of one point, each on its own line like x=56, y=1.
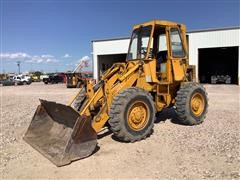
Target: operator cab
x=160, y=41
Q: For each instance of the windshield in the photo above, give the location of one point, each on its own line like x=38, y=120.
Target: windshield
x=139, y=43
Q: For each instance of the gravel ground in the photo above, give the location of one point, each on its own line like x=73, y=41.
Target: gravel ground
x=207, y=151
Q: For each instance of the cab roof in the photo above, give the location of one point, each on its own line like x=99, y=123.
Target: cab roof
x=159, y=22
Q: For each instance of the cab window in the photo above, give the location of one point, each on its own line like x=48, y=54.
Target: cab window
x=177, y=47
x=162, y=41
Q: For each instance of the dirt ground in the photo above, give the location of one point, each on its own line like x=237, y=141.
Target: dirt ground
x=207, y=151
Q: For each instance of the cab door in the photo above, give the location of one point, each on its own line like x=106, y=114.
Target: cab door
x=177, y=54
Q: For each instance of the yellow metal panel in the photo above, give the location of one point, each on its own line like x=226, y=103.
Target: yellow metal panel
x=141, y=83
x=150, y=71
x=153, y=68
x=147, y=71
x=177, y=70
x=100, y=119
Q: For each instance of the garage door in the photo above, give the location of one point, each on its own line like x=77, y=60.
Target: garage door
x=106, y=61
x=218, y=65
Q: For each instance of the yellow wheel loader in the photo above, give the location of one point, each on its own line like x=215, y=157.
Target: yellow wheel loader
x=156, y=75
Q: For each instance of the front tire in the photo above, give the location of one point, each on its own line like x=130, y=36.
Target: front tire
x=191, y=104
x=132, y=115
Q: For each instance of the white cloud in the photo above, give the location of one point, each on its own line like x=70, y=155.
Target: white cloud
x=45, y=58
x=12, y=56
x=66, y=56
x=51, y=60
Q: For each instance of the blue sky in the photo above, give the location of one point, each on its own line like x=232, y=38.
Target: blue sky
x=53, y=35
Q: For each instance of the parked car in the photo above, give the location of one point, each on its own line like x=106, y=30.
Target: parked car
x=53, y=79
x=7, y=82
x=22, y=80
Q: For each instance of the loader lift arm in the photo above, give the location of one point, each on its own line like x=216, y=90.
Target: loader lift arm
x=99, y=97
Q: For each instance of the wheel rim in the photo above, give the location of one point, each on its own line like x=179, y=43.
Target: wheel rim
x=138, y=116
x=197, y=104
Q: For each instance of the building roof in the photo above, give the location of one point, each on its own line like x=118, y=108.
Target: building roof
x=214, y=29
x=110, y=39
x=191, y=31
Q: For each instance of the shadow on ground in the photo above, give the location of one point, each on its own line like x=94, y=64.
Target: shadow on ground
x=167, y=114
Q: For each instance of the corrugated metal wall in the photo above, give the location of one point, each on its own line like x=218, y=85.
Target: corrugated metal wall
x=210, y=39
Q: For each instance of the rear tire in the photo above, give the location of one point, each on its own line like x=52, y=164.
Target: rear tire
x=132, y=115
x=191, y=104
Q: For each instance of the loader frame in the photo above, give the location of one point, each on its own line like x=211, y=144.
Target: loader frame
x=139, y=73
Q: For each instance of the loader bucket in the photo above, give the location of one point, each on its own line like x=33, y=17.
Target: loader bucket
x=60, y=133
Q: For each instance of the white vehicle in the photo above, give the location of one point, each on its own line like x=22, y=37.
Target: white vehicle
x=22, y=79
x=44, y=76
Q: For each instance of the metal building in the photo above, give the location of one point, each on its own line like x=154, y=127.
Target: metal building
x=213, y=51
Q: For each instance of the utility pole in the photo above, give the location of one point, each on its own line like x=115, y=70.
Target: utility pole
x=18, y=64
